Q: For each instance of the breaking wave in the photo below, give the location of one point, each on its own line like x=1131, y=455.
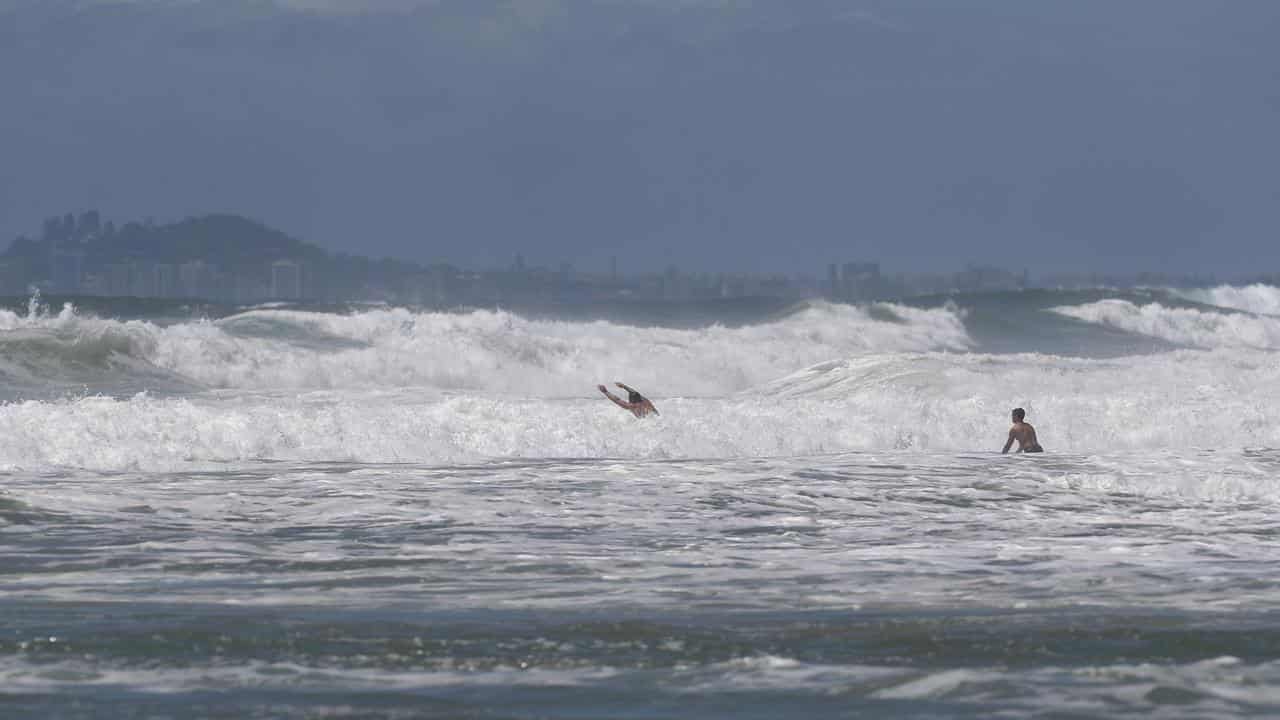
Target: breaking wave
x=484, y=351
x=394, y=385
x=920, y=402
x=1255, y=298
x=1193, y=327
x=46, y=354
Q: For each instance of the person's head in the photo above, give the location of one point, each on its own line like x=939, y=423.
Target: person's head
x=1018, y=414
x=635, y=397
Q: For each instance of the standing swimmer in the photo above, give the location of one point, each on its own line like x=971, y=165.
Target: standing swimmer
x=1023, y=433
x=638, y=404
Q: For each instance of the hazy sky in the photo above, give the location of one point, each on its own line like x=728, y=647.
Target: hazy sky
x=727, y=134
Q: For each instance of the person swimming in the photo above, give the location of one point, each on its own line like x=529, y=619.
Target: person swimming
x=638, y=404
x=1023, y=433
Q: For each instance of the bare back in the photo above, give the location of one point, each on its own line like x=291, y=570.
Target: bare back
x=1025, y=434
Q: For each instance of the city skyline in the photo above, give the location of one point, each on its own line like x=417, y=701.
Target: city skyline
x=229, y=258
x=1071, y=138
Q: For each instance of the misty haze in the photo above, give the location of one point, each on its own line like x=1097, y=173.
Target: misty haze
x=717, y=136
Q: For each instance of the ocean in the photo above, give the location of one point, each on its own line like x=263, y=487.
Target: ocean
x=382, y=512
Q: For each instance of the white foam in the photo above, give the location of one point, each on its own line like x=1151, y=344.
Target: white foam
x=1222, y=686
x=917, y=402
x=43, y=350
x=390, y=385
x=498, y=351
x=936, y=685
x=1183, y=326
x=1255, y=298
x=79, y=675
x=477, y=351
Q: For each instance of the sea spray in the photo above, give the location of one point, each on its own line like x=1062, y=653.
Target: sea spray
x=481, y=351
x=1255, y=298
x=1183, y=326
x=933, y=402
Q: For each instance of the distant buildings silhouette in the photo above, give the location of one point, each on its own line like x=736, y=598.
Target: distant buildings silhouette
x=231, y=259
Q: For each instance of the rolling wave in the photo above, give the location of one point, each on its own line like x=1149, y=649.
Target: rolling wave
x=1256, y=298
x=394, y=385
x=940, y=402
x=45, y=354
x=480, y=351
x=1193, y=327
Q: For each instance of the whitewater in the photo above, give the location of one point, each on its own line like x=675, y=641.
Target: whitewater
x=392, y=512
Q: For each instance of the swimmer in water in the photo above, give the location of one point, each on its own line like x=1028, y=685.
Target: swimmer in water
x=638, y=404
x=1023, y=433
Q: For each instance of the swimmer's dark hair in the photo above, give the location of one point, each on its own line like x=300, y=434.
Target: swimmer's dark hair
x=1018, y=414
x=634, y=397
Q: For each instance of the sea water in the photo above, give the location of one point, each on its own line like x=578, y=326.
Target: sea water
x=383, y=512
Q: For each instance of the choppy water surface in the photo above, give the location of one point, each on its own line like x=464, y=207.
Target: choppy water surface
x=397, y=514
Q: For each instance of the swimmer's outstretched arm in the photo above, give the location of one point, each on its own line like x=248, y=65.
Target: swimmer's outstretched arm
x=617, y=400
x=1009, y=443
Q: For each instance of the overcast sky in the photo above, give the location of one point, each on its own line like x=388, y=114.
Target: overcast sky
x=713, y=134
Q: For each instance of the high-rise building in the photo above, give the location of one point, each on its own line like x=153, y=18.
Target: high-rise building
x=118, y=275
x=142, y=279
x=196, y=280
x=286, y=280
x=11, y=279
x=166, y=280
x=249, y=289
x=66, y=271
x=861, y=281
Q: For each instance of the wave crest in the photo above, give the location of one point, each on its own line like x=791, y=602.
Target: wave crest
x=1256, y=298
x=1183, y=326
x=43, y=353
x=920, y=402
x=492, y=351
